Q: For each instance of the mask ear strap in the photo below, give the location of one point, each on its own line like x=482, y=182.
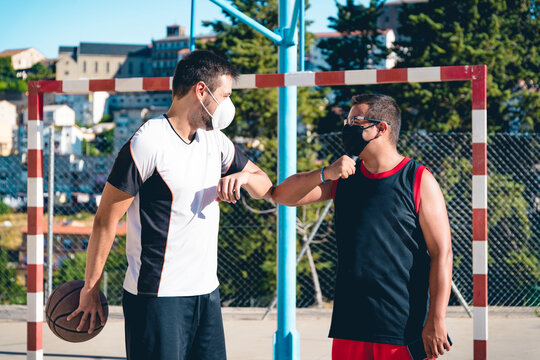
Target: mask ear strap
x=212, y=95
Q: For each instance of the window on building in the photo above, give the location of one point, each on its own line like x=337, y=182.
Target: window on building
x=96, y=66
x=84, y=66
x=130, y=68
x=142, y=68
x=66, y=72
x=107, y=67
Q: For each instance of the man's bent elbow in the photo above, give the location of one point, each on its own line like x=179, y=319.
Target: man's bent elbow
x=280, y=197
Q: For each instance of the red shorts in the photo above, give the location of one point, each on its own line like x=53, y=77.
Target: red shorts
x=359, y=350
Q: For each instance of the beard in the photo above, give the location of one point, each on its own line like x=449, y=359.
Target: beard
x=204, y=119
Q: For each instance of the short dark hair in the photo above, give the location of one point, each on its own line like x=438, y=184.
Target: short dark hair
x=198, y=66
x=381, y=107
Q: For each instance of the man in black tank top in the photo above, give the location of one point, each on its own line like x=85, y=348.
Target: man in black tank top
x=394, y=268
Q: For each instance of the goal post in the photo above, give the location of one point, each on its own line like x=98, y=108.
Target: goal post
x=476, y=74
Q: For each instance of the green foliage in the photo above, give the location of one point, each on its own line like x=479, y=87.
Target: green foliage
x=9, y=82
x=104, y=142
x=73, y=268
x=107, y=118
x=89, y=149
x=251, y=52
x=359, y=47
x=102, y=145
x=503, y=34
x=40, y=72
x=8, y=78
x=10, y=291
x=6, y=68
x=4, y=209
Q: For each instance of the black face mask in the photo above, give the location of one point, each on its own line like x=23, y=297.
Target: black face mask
x=352, y=138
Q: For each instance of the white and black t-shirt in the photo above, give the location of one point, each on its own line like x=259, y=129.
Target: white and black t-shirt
x=172, y=224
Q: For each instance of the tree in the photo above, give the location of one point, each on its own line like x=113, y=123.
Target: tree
x=8, y=77
x=360, y=46
x=251, y=52
x=40, y=72
x=73, y=268
x=10, y=291
x=503, y=34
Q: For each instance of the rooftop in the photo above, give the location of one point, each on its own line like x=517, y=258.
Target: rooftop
x=104, y=48
x=11, y=52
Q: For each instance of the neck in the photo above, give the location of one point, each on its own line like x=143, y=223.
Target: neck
x=382, y=159
x=178, y=115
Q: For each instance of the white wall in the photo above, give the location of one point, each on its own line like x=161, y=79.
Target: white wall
x=6, y=138
x=8, y=113
x=99, y=100
x=26, y=59
x=59, y=115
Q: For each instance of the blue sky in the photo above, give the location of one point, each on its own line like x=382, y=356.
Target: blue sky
x=46, y=25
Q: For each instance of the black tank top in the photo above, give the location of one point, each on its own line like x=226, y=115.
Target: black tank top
x=383, y=267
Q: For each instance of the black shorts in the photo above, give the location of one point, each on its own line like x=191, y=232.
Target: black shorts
x=174, y=328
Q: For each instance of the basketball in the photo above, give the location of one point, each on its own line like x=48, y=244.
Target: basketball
x=62, y=302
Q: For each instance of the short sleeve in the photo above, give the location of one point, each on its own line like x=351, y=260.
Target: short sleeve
x=135, y=163
x=233, y=159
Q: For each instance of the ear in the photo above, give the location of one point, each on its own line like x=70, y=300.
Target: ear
x=383, y=129
x=198, y=88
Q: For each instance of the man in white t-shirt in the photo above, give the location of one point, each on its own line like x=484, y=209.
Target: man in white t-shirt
x=167, y=178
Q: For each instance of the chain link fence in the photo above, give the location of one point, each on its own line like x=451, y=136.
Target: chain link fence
x=247, y=238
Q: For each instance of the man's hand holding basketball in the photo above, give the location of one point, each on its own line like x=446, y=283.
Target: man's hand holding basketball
x=90, y=306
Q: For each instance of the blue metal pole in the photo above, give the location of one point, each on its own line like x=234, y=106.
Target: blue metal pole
x=192, y=28
x=302, y=31
x=286, y=338
x=248, y=21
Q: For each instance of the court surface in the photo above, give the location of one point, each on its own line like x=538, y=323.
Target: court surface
x=513, y=334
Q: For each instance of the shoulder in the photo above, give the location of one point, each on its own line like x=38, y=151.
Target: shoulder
x=149, y=136
x=151, y=131
x=152, y=127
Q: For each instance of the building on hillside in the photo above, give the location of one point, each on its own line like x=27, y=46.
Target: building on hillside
x=67, y=140
x=103, y=61
x=23, y=59
x=129, y=120
x=89, y=108
x=167, y=52
x=58, y=115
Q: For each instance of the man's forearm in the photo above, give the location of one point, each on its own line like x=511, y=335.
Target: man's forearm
x=98, y=250
x=440, y=284
x=259, y=185
x=294, y=188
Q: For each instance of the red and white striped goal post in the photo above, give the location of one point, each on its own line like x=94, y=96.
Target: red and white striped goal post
x=477, y=74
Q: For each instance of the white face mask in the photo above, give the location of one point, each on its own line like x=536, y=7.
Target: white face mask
x=224, y=113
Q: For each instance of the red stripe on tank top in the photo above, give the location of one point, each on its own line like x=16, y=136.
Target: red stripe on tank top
x=381, y=175
x=417, y=183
